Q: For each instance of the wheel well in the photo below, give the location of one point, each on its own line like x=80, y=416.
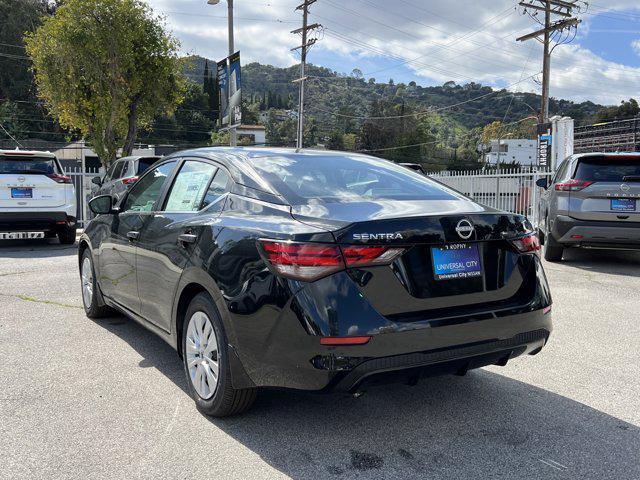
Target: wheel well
x=190, y=291
x=81, y=248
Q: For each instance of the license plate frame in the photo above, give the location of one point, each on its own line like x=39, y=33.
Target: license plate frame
x=20, y=193
x=623, y=205
x=21, y=235
x=456, y=261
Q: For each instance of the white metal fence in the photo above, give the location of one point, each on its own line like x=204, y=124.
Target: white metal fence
x=83, y=190
x=511, y=190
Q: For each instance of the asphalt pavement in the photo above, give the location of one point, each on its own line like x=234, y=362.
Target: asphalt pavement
x=106, y=399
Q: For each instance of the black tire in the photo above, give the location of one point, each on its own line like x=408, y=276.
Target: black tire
x=95, y=308
x=67, y=236
x=226, y=400
x=552, y=250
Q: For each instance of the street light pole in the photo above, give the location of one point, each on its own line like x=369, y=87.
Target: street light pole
x=233, y=138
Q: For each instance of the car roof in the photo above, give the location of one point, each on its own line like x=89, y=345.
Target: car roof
x=27, y=153
x=238, y=160
x=140, y=157
x=606, y=154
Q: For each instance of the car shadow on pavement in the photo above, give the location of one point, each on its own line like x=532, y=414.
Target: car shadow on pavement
x=614, y=262
x=35, y=248
x=484, y=425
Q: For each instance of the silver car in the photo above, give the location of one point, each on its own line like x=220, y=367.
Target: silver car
x=122, y=174
x=593, y=201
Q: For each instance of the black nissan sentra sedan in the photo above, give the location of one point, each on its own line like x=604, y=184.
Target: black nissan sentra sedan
x=312, y=270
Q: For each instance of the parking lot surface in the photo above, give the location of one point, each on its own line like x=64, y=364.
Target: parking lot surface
x=106, y=399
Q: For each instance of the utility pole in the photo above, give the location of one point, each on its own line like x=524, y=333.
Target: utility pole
x=304, y=47
x=550, y=8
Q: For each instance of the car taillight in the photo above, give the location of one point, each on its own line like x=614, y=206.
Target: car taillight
x=56, y=177
x=130, y=180
x=303, y=261
x=363, y=255
x=528, y=244
x=311, y=261
x=574, y=185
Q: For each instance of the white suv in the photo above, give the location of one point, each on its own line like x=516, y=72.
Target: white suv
x=36, y=199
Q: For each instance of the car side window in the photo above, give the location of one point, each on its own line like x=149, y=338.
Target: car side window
x=562, y=171
x=117, y=172
x=190, y=186
x=109, y=175
x=219, y=186
x=145, y=192
x=125, y=169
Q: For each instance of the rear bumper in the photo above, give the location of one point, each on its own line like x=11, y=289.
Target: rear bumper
x=302, y=363
x=454, y=360
x=583, y=233
x=30, y=221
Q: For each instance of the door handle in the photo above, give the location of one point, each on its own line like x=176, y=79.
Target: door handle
x=133, y=235
x=187, y=238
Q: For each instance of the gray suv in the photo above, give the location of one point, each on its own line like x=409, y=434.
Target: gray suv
x=593, y=201
x=122, y=174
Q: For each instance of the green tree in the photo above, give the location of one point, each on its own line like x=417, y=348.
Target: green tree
x=105, y=67
x=335, y=141
x=626, y=109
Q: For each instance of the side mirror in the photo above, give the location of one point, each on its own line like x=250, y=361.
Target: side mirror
x=543, y=182
x=97, y=181
x=102, y=205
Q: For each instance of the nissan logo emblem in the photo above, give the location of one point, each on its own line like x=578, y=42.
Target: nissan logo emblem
x=464, y=229
x=624, y=187
x=21, y=179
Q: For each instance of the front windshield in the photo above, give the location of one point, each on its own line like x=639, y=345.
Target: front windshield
x=334, y=178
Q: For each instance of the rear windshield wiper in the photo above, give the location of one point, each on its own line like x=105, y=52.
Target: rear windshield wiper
x=631, y=178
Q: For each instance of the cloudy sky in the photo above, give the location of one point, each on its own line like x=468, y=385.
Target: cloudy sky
x=429, y=41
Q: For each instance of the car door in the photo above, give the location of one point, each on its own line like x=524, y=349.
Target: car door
x=169, y=237
x=118, y=275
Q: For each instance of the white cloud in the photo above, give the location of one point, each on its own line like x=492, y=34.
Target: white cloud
x=636, y=46
x=439, y=40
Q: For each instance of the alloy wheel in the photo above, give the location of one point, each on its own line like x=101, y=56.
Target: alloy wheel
x=87, y=282
x=201, y=350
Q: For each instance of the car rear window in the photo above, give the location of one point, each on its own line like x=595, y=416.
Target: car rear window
x=26, y=165
x=304, y=178
x=145, y=163
x=608, y=168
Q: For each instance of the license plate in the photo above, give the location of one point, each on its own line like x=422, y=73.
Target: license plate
x=20, y=235
x=623, y=205
x=22, y=192
x=455, y=261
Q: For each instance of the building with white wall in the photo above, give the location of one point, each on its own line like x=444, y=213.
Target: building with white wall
x=512, y=150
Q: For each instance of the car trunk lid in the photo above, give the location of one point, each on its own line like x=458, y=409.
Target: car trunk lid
x=452, y=263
